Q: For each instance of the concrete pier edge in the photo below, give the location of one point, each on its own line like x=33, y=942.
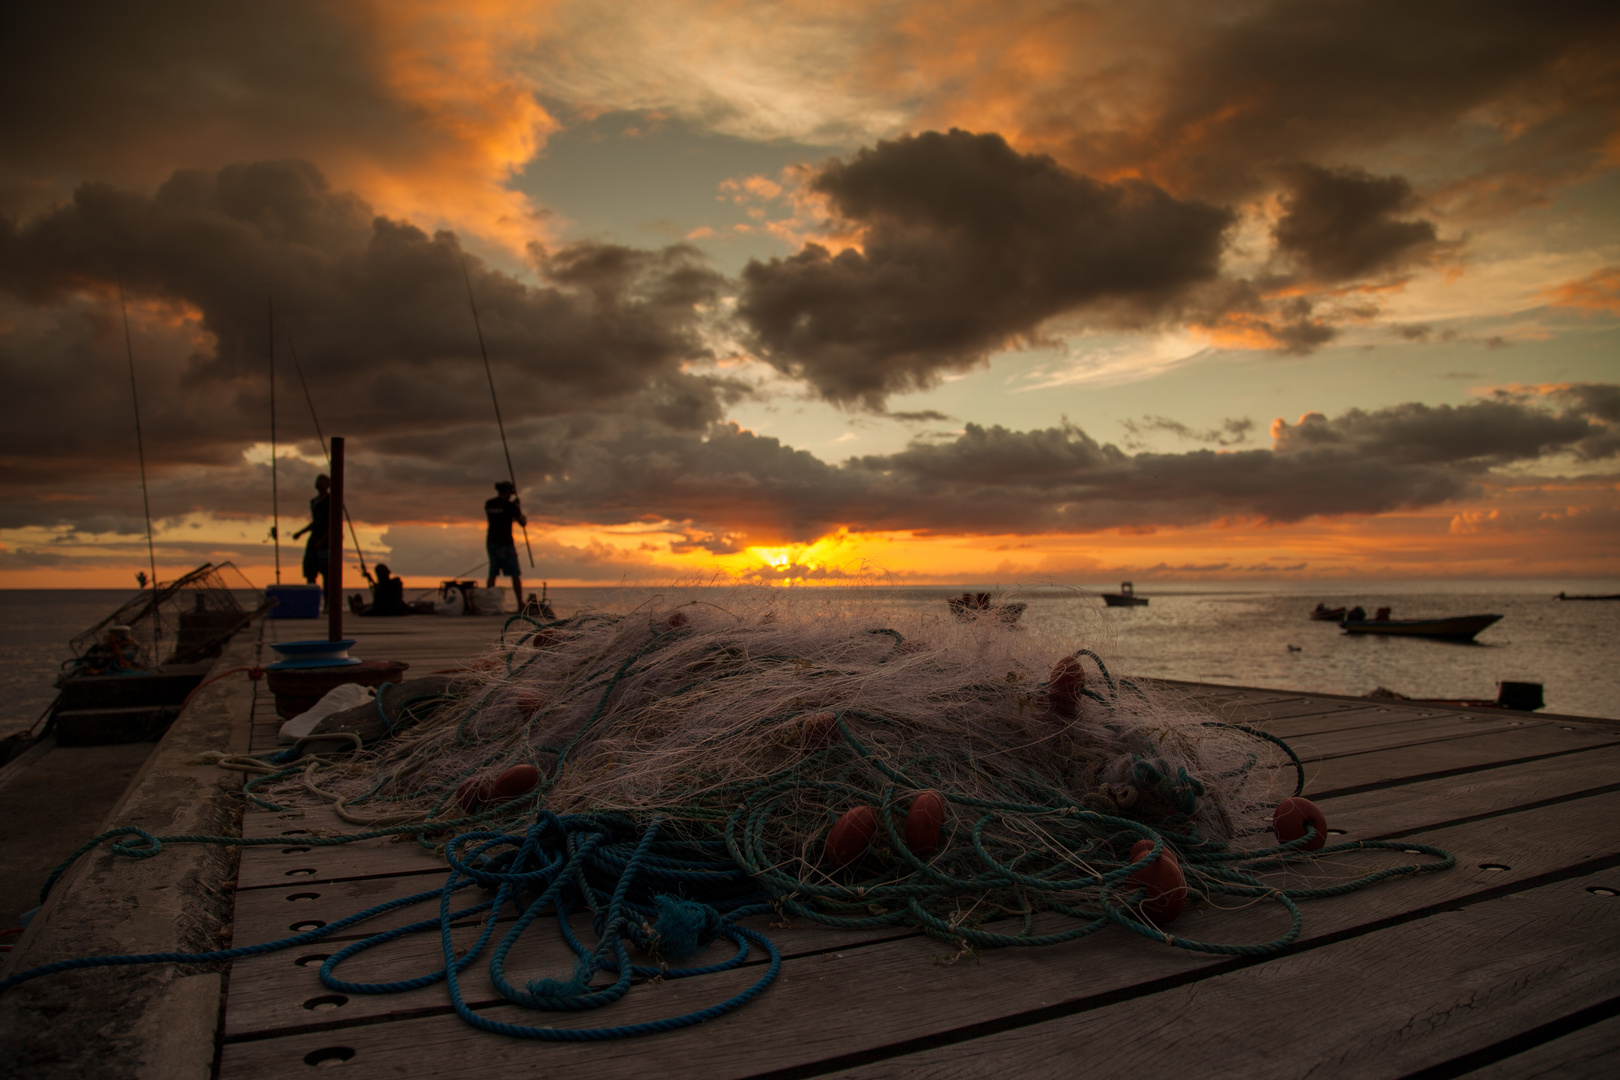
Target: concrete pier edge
x=157, y=1020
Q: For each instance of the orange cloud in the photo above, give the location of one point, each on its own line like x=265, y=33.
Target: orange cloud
x=1597, y=291
x=458, y=71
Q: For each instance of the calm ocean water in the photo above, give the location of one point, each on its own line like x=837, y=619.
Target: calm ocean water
x=1232, y=634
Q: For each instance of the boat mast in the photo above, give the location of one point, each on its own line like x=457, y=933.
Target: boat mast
x=140, y=453
x=292, y=347
x=507, y=450
x=275, y=495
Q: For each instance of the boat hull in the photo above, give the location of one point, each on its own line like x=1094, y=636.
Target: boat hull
x=1461, y=628
x=1117, y=600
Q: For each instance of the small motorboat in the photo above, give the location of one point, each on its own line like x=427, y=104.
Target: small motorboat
x=1126, y=597
x=1609, y=596
x=1458, y=628
x=973, y=605
x=1323, y=613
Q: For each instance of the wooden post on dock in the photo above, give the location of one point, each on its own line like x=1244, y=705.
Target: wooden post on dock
x=334, y=564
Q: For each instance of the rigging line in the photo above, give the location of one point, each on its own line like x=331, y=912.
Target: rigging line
x=507, y=450
x=275, y=495
x=140, y=452
x=292, y=347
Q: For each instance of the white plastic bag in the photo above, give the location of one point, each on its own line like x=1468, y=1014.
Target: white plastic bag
x=336, y=700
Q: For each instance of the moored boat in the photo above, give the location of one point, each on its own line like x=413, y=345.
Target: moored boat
x=1323, y=613
x=1458, y=628
x=1126, y=597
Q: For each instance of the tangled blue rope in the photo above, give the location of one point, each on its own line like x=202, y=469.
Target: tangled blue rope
x=668, y=898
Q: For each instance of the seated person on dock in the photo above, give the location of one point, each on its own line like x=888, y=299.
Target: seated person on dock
x=387, y=596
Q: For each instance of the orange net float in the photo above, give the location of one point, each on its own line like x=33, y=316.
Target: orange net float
x=1063, y=688
x=1166, y=885
x=851, y=835
x=1288, y=821
x=925, y=819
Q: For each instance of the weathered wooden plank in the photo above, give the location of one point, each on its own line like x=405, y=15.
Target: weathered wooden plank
x=270, y=992
x=1403, y=808
x=1486, y=972
x=277, y=993
x=296, y=864
x=1389, y=736
x=1591, y=1053
x=847, y=1002
x=1388, y=767
x=885, y=995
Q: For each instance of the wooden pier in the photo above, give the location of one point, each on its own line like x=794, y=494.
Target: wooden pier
x=1506, y=966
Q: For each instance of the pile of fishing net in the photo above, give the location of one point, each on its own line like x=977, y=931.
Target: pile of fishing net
x=676, y=765
x=862, y=764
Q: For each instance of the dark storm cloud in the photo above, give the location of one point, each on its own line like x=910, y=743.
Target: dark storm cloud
x=377, y=309
x=100, y=88
x=733, y=487
x=1312, y=82
x=1340, y=224
x=1232, y=431
x=968, y=245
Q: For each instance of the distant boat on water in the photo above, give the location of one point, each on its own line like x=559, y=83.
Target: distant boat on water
x=1126, y=597
x=1458, y=628
x=972, y=605
x=1611, y=596
x=1323, y=613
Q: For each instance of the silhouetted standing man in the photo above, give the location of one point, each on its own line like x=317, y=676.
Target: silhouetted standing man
x=320, y=522
x=501, y=511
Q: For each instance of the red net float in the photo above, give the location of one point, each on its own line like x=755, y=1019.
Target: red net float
x=851, y=835
x=514, y=783
x=925, y=819
x=678, y=619
x=1166, y=885
x=476, y=793
x=1288, y=821
x=1063, y=688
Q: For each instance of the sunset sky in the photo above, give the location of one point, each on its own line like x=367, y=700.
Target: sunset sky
x=946, y=291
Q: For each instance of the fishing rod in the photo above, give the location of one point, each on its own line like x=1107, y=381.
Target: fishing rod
x=507, y=450
x=319, y=434
x=140, y=452
x=275, y=495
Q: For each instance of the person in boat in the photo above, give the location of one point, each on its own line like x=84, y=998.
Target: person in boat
x=320, y=524
x=1355, y=614
x=501, y=512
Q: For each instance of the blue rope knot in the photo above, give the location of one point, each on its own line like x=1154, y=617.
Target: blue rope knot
x=144, y=845
x=683, y=927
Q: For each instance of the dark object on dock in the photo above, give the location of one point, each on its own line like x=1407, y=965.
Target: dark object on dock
x=972, y=605
x=1323, y=613
x=294, y=601
x=1611, y=596
x=1520, y=696
x=1126, y=597
x=394, y=707
x=199, y=611
x=297, y=689
x=120, y=687
x=1459, y=628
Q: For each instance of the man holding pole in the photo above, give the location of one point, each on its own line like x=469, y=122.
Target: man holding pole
x=501, y=511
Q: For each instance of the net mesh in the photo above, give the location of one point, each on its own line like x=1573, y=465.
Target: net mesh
x=181, y=621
